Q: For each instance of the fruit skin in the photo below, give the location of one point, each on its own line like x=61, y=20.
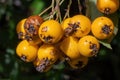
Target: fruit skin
x=107, y=6
x=102, y=27
x=66, y=26
x=26, y=51
x=88, y=46
x=50, y=31
x=48, y=52
x=78, y=62
x=69, y=47
x=65, y=23
x=79, y=26
x=20, y=29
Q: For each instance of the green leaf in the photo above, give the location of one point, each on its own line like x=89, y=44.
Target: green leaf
x=93, y=11
x=115, y=18
x=37, y=6
x=106, y=44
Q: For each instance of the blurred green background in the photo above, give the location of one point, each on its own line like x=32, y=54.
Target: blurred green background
x=106, y=66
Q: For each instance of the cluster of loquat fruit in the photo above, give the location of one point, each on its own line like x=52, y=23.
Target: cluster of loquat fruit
x=74, y=40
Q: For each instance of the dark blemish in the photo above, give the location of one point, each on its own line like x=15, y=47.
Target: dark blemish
x=107, y=11
x=40, y=68
x=44, y=29
x=20, y=35
x=31, y=29
x=86, y=41
x=75, y=25
x=72, y=28
x=90, y=42
x=68, y=31
x=28, y=37
x=79, y=64
x=23, y=57
x=82, y=31
x=45, y=62
x=106, y=29
x=94, y=49
x=48, y=39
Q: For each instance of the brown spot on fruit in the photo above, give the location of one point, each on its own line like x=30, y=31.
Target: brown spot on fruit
x=107, y=11
x=68, y=31
x=44, y=29
x=106, y=29
x=32, y=25
x=94, y=49
x=44, y=63
x=48, y=39
x=28, y=37
x=23, y=57
x=72, y=28
x=20, y=35
x=31, y=29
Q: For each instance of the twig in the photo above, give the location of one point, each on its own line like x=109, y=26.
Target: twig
x=54, y=10
x=67, y=14
x=79, y=7
x=58, y=15
x=87, y=8
x=45, y=11
x=61, y=2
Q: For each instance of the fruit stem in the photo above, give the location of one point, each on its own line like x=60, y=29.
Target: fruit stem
x=45, y=10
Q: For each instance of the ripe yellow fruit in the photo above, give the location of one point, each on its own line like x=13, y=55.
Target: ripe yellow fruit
x=26, y=51
x=49, y=53
x=107, y=6
x=66, y=27
x=50, y=31
x=102, y=27
x=78, y=62
x=79, y=26
x=20, y=29
x=88, y=46
x=65, y=23
x=69, y=47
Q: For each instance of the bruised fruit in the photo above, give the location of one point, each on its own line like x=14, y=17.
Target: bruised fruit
x=32, y=25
